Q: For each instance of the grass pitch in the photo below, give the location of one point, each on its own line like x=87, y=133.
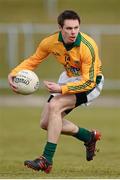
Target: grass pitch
x=21, y=139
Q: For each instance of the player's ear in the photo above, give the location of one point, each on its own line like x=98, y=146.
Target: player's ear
x=60, y=27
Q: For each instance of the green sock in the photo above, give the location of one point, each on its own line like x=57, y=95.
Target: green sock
x=49, y=151
x=83, y=135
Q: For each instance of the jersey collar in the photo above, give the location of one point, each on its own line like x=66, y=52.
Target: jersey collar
x=76, y=43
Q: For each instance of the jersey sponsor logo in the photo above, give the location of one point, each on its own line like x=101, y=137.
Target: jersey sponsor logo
x=74, y=70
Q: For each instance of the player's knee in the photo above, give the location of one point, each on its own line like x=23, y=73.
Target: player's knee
x=54, y=105
x=44, y=122
x=43, y=125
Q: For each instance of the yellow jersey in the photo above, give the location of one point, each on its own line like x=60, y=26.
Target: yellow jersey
x=79, y=59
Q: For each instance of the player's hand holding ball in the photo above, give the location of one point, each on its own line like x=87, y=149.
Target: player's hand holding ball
x=25, y=82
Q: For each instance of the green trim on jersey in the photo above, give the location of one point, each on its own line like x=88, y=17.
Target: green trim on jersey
x=74, y=88
x=78, y=40
x=91, y=71
x=87, y=43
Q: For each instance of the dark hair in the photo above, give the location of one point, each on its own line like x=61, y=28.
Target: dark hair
x=67, y=14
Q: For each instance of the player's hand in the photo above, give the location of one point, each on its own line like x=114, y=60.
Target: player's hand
x=53, y=87
x=11, y=83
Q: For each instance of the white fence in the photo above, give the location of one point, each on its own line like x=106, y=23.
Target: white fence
x=14, y=30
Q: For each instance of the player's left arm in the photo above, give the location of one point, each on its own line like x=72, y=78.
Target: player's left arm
x=53, y=87
x=88, y=76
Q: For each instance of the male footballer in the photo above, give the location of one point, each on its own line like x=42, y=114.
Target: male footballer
x=79, y=84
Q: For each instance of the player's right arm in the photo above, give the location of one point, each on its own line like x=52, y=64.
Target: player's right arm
x=31, y=63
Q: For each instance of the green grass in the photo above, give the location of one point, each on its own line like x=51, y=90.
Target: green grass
x=22, y=139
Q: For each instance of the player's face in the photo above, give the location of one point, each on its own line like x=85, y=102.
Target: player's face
x=70, y=30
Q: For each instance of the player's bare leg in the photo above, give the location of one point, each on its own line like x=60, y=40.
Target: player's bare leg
x=55, y=124
x=69, y=128
x=56, y=107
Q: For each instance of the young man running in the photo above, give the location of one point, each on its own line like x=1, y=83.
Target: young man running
x=80, y=83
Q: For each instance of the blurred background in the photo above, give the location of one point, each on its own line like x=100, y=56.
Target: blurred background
x=24, y=23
